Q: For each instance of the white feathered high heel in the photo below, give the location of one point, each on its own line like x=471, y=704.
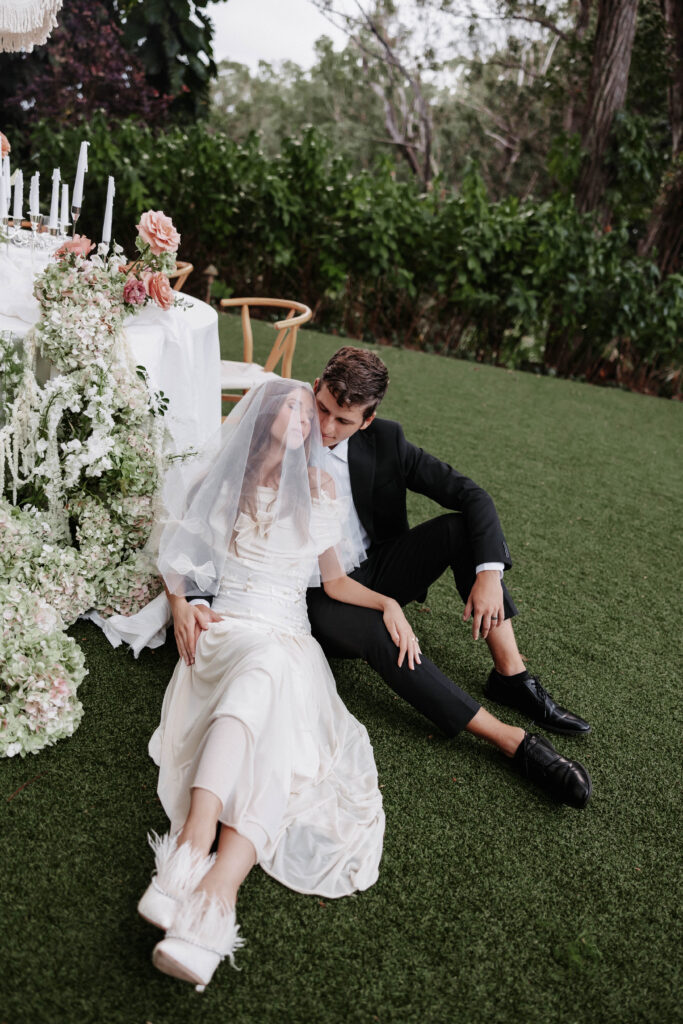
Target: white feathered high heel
x=204, y=932
x=179, y=870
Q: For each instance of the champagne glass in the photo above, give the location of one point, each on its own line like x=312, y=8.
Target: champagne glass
x=18, y=236
x=12, y=231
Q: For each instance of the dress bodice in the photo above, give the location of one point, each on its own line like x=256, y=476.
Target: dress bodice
x=269, y=565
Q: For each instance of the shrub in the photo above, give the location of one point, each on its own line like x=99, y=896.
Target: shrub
x=516, y=282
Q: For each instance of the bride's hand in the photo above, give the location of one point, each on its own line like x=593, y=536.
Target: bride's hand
x=189, y=620
x=401, y=632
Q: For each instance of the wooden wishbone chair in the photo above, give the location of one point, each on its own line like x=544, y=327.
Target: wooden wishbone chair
x=242, y=375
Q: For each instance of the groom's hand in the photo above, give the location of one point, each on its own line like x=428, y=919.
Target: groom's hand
x=485, y=603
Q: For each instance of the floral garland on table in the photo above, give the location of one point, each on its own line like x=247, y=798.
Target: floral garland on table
x=80, y=464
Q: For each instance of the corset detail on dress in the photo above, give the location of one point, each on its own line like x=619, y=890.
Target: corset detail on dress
x=262, y=599
x=269, y=565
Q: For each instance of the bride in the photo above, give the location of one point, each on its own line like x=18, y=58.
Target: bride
x=253, y=734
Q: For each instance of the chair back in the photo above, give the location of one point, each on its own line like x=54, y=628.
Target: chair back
x=180, y=274
x=285, y=342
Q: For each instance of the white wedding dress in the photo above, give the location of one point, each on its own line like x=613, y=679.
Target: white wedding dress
x=306, y=793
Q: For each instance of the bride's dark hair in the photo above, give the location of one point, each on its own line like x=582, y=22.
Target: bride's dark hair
x=277, y=393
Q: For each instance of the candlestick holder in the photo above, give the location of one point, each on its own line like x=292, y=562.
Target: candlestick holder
x=4, y=229
x=50, y=240
x=36, y=220
x=75, y=213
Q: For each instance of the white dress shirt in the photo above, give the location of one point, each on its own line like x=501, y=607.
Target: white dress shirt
x=337, y=465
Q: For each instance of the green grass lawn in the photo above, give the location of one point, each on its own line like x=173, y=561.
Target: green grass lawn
x=493, y=904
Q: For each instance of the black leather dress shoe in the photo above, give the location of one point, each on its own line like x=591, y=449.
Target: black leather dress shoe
x=564, y=780
x=529, y=697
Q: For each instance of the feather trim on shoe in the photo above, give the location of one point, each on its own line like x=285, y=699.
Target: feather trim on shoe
x=179, y=869
x=207, y=922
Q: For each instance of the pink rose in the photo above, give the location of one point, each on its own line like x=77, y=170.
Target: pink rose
x=159, y=289
x=79, y=245
x=157, y=230
x=134, y=292
x=5, y=147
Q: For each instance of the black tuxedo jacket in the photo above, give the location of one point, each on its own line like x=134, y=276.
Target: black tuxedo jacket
x=383, y=466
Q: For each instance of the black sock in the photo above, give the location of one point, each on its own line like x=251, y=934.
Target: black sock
x=517, y=678
x=518, y=756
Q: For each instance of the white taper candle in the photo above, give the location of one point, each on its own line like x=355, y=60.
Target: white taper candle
x=18, y=213
x=80, y=175
x=54, y=204
x=106, y=227
x=65, y=205
x=34, y=195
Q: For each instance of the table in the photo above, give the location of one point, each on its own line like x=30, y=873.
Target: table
x=179, y=348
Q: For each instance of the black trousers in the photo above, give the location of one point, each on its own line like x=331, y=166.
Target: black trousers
x=404, y=568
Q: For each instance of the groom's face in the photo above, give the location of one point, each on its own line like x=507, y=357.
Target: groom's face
x=337, y=422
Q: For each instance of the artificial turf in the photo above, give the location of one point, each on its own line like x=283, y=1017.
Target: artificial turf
x=493, y=904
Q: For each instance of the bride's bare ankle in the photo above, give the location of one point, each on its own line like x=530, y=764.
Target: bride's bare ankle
x=200, y=837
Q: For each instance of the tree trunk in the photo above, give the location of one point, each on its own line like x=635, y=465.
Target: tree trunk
x=673, y=16
x=407, y=116
x=665, y=230
x=614, y=35
x=573, y=85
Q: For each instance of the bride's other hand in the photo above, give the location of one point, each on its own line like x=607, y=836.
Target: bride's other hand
x=203, y=617
x=401, y=632
x=348, y=591
x=189, y=620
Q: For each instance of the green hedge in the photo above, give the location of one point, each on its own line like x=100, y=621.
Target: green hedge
x=521, y=283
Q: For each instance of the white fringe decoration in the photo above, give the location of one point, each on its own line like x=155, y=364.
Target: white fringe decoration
x=26, y=23
x=209, y=923
x=179, y=869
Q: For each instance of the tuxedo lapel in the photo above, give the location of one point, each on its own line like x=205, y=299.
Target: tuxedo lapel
x=362, y=460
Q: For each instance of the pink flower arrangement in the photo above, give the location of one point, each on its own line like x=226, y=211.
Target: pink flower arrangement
x=5, y=147
x=60, y=692
x=79, y=245
x=159, y=289
x=134, y=292
x=157, y=230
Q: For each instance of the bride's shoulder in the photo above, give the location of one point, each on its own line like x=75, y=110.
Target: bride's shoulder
x=321, y=484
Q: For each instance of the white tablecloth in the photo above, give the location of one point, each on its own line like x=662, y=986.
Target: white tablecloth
x=179, y=348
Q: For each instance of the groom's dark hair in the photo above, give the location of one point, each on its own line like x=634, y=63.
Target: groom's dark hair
x=355, y=376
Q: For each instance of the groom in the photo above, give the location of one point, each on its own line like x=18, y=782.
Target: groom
x=371, y=462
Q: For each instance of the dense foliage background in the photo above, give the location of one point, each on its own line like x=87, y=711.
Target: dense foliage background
x=475, y=184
